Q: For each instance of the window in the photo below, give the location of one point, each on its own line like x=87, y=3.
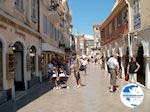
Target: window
x=110, y=28
x=115, y=23
x=137, y=17
x=19, y=5
x=119, y=20
x=1, y=68
x=46, y=23
x=125, y=16
x=34, y=10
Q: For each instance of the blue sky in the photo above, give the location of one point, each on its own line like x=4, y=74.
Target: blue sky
x=87, y=12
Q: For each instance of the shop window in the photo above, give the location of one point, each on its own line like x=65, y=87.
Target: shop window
x=19, y=4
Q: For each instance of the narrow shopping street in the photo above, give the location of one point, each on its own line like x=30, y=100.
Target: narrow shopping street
x=93, y=96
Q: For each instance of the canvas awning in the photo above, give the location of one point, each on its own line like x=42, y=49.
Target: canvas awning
x=47, y=47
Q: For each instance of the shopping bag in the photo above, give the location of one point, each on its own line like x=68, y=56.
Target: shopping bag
x=126, y=77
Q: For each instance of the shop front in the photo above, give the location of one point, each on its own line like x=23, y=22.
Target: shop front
x=32, y=68
x=19, y=67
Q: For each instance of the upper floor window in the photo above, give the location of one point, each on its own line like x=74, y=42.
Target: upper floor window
x=19, y=5
x=125, y=16
x=119, y=20
x=115, y=23
x=46, y=23
x=1, y=67
x=110, y=28
x=34, y=10
x=137, y=17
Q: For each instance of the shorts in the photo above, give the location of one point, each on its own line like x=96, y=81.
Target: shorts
x=84, y=67
x=76, y=74
x=113, y=77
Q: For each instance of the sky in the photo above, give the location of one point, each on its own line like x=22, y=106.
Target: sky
x=87, y=12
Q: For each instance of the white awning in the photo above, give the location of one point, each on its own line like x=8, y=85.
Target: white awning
x=47, y=47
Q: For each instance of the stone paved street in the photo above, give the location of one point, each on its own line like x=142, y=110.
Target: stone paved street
x=94, y=96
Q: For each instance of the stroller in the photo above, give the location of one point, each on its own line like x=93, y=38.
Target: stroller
x=63, y=77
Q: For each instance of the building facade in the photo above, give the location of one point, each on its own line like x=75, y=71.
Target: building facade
x=31, y=32
x=126, y=31
x=84, y=45
x=97, y=39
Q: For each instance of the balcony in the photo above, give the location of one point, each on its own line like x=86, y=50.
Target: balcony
x=55, y=12
x=123, y=29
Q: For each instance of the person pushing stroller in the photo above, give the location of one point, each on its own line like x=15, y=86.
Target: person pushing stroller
x=63, y=77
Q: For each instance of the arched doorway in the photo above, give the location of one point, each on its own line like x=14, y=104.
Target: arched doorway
x=19, y=77
x=141, y=61
x=33, y=61
x=1, y=66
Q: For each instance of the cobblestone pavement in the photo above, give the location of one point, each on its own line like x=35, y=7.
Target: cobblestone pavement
x=94, y=96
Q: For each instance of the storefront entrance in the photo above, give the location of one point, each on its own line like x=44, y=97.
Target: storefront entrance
x=141, y=61
x=34, y=79
x=1, y=67
x=33, y=61
x=19, y=77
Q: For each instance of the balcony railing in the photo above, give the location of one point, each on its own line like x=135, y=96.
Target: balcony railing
x=123, y=29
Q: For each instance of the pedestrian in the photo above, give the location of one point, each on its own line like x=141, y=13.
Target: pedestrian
x=76, y=67
x=88, y=60
x=132, y=69
x=84, y=64
x=54, y=77
x=114, y=71
x=50, y=67
x=63, y=77
x=67, y=67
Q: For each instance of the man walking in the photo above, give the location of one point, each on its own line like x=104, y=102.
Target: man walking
x=114, y=71
x=76, y=68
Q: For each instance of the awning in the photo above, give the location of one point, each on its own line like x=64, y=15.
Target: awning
x=47, y=47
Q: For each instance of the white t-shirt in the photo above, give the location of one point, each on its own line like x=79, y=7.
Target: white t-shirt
x=84, y=62
x=54, y=74
x=112, y=63
x=62, y=73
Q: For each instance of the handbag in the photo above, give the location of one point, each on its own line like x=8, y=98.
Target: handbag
x=81, y=68
x=126, y=77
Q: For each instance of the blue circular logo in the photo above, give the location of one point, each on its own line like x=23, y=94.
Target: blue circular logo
x=132, y=95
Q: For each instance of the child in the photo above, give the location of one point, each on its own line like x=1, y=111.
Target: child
x=63, y=76
x=54, y=77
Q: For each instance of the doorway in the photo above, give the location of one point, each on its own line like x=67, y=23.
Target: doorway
x=141, y=61
x=33, y=61
x=1, y=67
x=34, y=79
x=19, y=76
